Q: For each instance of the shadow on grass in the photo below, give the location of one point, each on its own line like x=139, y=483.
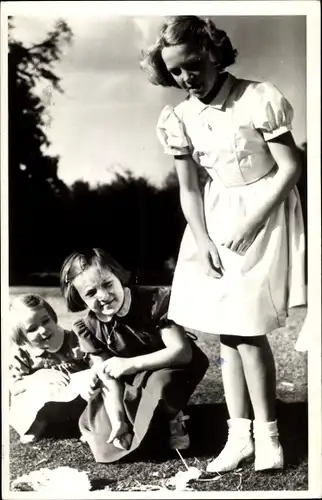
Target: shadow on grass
x=208, y=432
x=64, y=428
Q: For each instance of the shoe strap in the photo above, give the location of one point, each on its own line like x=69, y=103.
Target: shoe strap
x=180, y=418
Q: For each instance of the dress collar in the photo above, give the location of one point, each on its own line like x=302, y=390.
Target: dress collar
x=219, y=100
x=126, y=303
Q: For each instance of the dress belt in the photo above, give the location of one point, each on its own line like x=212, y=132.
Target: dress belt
x=245, y=182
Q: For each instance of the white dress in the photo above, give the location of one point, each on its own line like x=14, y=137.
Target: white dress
x=228, y=138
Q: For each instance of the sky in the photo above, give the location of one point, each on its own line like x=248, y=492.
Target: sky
x=105, y=122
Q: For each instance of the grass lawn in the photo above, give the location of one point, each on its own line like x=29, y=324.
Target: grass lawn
x=207, y=427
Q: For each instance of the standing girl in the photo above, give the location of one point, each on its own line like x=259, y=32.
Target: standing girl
x=47, y=369
x=240, y=265
x=145, y=362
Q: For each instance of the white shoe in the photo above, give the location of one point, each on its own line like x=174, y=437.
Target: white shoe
x=28, y=438
x=37, y=428
x=268, y=450
x=238, y=448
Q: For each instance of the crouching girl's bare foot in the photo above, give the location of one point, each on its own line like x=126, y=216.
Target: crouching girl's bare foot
x=120, y=436
x=124, y=441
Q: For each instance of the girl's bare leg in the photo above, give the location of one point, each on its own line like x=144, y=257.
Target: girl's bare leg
x=113, y=403
x=260, y=374
x=259, y=367
x=236, y=393
x=239, y=445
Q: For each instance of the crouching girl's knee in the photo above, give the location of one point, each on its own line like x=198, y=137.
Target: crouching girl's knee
x=160, y=380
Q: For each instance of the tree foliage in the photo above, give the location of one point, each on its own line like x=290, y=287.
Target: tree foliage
x=139, y=224
x=27, y=67
x=34, y=186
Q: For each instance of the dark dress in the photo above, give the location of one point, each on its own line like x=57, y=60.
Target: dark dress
x=135, y=334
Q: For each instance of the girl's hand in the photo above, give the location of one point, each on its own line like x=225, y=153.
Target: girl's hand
x=92, y=384
x=116, y=367
x=242, y=238
x=210, y=260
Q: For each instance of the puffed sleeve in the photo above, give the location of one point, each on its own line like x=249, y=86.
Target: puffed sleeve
x=272, y=112
x=170, y=132
x=72, y=346
x=160, y=308
x=87, y=341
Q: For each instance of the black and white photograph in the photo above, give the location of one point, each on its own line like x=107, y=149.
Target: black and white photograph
x=161, y=249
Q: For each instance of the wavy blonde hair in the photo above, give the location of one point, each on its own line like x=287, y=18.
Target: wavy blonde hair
x=195, y=31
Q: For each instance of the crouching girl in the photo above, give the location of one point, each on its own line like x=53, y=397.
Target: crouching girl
x=154, y=364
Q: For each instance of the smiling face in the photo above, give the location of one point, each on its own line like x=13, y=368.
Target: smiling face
x=40, y=329
x=191, y=69
x=101, y=291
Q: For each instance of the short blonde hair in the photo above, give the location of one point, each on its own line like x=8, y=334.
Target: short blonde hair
x=33, y=301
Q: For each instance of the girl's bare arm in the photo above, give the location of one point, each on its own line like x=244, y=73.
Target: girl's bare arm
x=190, y=198
x=193, y=210
x=177, y=351
x=283, y=150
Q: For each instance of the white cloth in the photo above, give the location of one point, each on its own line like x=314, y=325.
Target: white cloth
x=228, y=138
x=29, y=397
x=26, y=405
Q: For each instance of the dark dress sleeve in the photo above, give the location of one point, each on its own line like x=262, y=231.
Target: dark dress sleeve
x=161, y=298
x=88, y=341
x=72, y=350
x=160, y=308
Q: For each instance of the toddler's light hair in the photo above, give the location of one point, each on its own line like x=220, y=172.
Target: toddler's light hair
x=33, y=301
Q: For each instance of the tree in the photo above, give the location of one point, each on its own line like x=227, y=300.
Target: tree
x=138, y=224
x=34, y=187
